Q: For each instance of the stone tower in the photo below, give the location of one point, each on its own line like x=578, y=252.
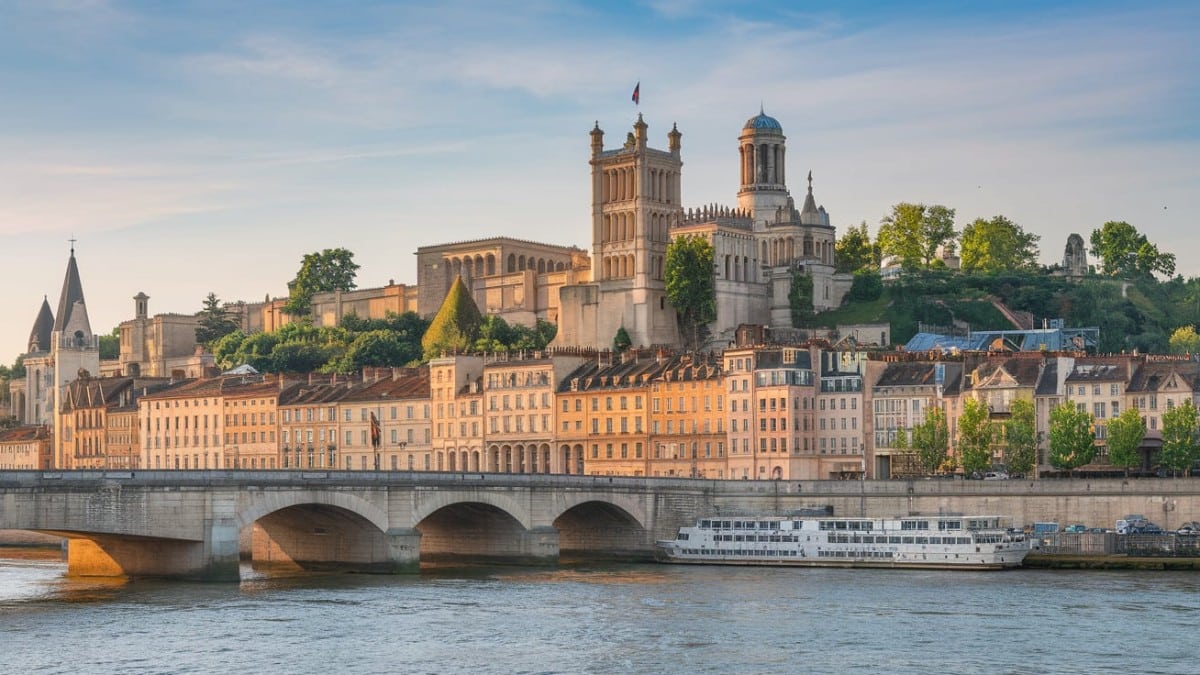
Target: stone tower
x=73, y=347
x=635, y=201
x=763, y=154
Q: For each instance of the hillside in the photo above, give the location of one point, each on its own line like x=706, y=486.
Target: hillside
x=1138, y=314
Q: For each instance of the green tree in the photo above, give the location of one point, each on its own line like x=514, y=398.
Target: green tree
x=931, y=440
x=1125, y=434
x=495, y=335
x=854, y=251
x=1020, y=438
x=110, y=345
x=455, y=326
x=332, y=269
x=1184, y=341
x=800, y=299
x=867, y=286
x=215, y=322
x=997, y=245
x=8, y=422
x=1072, y=441
x=688, y=273
x=914, y=232
x=1179, y=447
x=1124, y=251
x=974, y=437
x=379, y=348
x=621, y=340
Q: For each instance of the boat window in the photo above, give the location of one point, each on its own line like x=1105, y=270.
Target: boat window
x=949, y=525
x=893, y=540
x=906, y=540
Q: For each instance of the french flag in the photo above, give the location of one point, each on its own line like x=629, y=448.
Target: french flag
x=637, y=92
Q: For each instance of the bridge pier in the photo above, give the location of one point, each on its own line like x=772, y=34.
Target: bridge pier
x=404, y=550
x=120, y=556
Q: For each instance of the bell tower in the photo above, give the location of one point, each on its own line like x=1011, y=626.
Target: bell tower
x=635, y=201
x=763, y=154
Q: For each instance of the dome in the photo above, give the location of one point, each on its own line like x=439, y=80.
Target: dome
x=763, y=121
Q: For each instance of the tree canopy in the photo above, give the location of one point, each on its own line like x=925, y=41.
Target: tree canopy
x=332, y=269
x=110, y=345
x=1072, y=442
x=1179, y=448
x=800, y=299
x=215, y=322
x=1125, y=434
x=931, y=440
x=1020, y=438
x=688, y=273
x=1184, y=340
x=854, y=250
x=455, y=327
x=997, y=245
x=1124, y=251
x=974, y=437
x=914, y=233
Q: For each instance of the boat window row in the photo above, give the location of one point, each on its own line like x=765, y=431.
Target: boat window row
x=944, y=525
x=765, y=538
x=894, y=539
x=914, y=524
x=846, y=525
x=742, y=524
x=855, y=554
x=750, y=552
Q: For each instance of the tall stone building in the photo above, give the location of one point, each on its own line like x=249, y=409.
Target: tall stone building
x=758, y=245
x=635, y=201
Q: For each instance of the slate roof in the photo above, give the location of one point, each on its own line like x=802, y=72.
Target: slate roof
x=72, y=293
x=43, y=326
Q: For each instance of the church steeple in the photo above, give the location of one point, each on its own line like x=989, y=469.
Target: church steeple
x=72, y=311
x=43, y=326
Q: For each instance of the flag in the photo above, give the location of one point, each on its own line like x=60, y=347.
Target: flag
x=637, y=88
x=375, y=433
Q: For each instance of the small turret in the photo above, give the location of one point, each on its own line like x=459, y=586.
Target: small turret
x=597, y=140
x=673, y=139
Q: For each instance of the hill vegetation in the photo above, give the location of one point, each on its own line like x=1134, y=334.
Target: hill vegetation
x=1121, y=294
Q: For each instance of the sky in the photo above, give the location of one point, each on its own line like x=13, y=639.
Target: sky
x=196, y=147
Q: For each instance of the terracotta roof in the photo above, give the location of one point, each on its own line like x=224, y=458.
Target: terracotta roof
x=25, y=434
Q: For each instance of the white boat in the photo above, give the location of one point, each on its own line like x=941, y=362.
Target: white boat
x=929, y=542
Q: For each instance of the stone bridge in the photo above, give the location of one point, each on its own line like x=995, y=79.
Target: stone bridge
x=198, y=524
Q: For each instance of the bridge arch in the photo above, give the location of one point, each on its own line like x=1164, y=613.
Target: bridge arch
x=432, y=502
x=265, y=503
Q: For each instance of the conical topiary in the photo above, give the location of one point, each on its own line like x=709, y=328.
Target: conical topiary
x=455, y=326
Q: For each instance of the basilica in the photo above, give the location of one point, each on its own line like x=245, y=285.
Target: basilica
x=758, y=244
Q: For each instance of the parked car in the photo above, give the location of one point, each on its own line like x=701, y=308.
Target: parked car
x=995, y=475
x=1191, y=528
x=1075, y=528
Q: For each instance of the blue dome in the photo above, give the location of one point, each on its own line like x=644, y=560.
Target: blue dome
x=763, y=121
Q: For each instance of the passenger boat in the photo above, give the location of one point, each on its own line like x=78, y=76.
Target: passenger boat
x=928, y=542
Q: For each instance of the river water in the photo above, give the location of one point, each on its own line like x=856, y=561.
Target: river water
x=609, y=619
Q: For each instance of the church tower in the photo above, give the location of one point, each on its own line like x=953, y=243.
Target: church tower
x=73, y=348
x=763, y=157
x=635, y=201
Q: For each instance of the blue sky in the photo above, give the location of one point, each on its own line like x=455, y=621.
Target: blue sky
x=207, y=146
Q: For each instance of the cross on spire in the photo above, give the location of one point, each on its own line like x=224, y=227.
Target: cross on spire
x=72, y=240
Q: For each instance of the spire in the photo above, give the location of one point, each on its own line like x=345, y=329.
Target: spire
x=810, y=204
x=39, y=337
x=71, y=298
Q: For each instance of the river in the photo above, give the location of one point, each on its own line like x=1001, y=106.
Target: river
x=603, y=619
